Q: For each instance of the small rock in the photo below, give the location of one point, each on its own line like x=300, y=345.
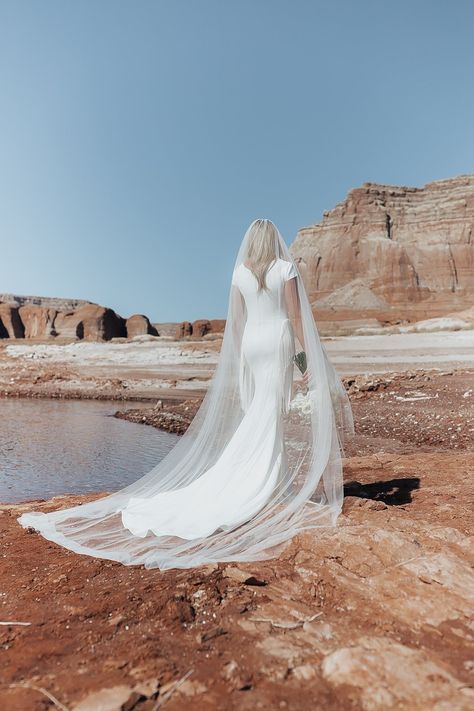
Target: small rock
x=304, y=672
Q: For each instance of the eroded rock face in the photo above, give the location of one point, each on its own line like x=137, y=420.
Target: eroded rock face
x=217, y=325
x=183, y=329
x=38, y=321
x=38, y=317
x=10, y=322
x=391, y=252
x=91, y=322
x=139, y=325
x=199, y=328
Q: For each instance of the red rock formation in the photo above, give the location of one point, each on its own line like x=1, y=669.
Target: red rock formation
x=10, y=322
x=38, y=321
x=90, y=322
x=217, y=325
x=183, y=329
x=392, y=253
x=139, y=325
x=201, y=327
x=46, y=317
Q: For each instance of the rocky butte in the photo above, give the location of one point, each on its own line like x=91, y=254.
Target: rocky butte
x=48, y=317
x=389, y=254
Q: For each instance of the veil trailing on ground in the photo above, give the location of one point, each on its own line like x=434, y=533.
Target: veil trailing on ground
x=316, y=420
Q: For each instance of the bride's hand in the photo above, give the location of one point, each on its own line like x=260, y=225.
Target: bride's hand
x=306, y=376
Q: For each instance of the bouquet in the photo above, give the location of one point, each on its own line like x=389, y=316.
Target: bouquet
x=304, y=402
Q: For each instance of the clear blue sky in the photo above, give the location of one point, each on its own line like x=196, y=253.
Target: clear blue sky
x=138, y=139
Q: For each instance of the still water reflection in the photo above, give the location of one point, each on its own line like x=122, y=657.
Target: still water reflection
x=51, y=447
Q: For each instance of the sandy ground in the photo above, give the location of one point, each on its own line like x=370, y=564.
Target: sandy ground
x=377, y=354
x=152, y=367
x=425, y=410
x=374, y=614
x=143, y=369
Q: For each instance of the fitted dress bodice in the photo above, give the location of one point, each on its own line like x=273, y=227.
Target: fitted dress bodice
x=263, y=305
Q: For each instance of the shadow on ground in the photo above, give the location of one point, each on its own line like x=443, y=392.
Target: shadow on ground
x=393, y=492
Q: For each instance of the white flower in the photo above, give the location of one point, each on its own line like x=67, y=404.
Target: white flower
x=304, y=404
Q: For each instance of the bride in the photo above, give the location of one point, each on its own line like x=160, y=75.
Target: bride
x=261, y=459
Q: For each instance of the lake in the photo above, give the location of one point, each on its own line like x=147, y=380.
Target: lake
x=51, y=447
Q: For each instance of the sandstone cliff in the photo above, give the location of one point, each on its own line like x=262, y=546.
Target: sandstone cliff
x=44, y=317
x=391, y=254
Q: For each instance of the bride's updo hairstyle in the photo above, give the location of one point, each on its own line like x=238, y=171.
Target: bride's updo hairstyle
x=263, y=249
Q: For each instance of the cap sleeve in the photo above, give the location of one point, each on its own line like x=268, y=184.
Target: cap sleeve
x=290, y=271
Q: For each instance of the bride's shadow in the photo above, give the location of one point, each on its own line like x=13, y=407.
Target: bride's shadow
x=393, y=492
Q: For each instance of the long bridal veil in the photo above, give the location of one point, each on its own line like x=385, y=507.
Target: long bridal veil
x=316, y=421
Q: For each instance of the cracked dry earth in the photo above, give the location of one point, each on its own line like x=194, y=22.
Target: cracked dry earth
x=374, y=614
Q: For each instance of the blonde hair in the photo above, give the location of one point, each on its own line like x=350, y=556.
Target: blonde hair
x=263, y=249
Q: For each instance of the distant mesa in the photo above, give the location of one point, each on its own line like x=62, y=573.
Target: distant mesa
x=199, y=328
x=47, y=317
x=390, y=254
x=44, y=317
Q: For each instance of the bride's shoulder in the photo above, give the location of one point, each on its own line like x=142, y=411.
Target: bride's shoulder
x=287, y=268
x=236, y=273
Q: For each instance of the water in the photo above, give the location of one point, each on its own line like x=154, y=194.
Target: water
x=51, y=447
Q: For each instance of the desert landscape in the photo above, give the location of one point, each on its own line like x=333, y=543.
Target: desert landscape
x=374, y=614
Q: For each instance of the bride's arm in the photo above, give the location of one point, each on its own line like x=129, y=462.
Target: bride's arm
x=294, y=308
x=239, y=315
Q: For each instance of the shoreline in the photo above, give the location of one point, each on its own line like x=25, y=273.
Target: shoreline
x=385, y=591
x=172, y=375
x=395, y=414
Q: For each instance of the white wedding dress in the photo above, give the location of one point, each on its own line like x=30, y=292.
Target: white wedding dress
x=243, y=478
x=259, y=462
